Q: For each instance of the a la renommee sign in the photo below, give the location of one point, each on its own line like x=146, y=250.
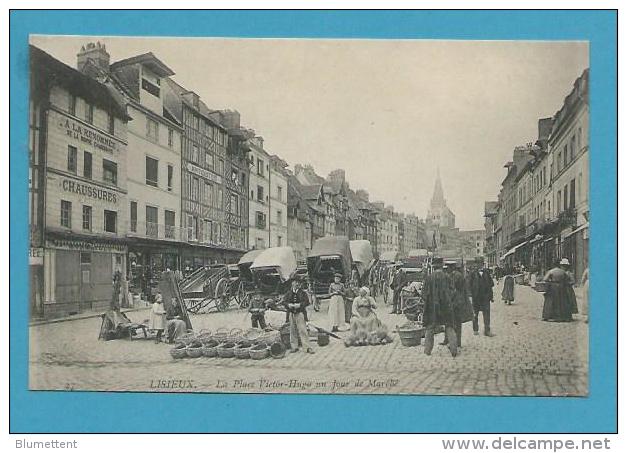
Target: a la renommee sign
x=87, y=135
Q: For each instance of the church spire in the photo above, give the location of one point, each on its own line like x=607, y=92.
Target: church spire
x=438, y=192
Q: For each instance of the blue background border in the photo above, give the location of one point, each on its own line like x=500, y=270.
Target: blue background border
x=118, y=412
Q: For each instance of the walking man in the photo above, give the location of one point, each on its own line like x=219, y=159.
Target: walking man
x=438, y=309
x=397, y=285
x=461, y=300
x=482, y=296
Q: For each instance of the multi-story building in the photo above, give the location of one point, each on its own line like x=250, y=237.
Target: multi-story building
x=259, y=201
x=214, y=182
x=408, y=234
x=299, y=224
x=474, y=243
x=568, y=145
x=388, y=240
x=490, y=213
x=277, y=206
x=78, y=192
x=153, y=163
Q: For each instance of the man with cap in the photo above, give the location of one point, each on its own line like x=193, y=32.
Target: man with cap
x=560, y=301
x=438, y=308
x=461, y=300
x=481, y=284
x=295, y=302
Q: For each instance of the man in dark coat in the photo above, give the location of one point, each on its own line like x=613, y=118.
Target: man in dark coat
x=438, y=307
x=296, y=301
x=481, y=284
x=461, y=300
x=397, y=284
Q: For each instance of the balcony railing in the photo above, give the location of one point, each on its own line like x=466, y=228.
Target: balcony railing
x=154, y=231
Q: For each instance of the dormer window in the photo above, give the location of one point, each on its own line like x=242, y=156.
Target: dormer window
x=151, y=86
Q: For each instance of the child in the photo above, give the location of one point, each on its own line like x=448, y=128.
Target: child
x=257, y=311
x=157, y=316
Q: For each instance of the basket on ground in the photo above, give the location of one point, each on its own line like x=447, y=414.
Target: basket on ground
x=242, y=349
x=277, y=350
x=221, y=334
x=210, y=348
x=179, y=351
x=226, y=350
x=410, y=334
x=235, y=335
x=259, y=351
x=253, y=334
x=194, y=349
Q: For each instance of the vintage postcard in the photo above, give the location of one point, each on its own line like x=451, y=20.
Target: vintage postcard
x=309, y=216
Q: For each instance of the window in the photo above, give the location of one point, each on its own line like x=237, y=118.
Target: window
x=572, y=148
x=279, y=241
x=85, y=258
x=152, y=129
x=559, y=161
x=279, y=193
x=72, y=105
x=110, y=221
x=259, y=167
x=152, y=221
x=252, y=194
x=195, y=186
x=221, y=167
x=71, y=159
x=66, y=214
x=89, y=113
x=579, y=187
x=170, y=177
x=243, y=179
x=151, y=87
x=152, y=172
x=170, y=138
x=111, y=124
x=170, y=222
x=572, y=193
x=279, y=218
x=565, y=156
x=261, y=220
x=87, y=218
x=579, y=139
x=133, y=216
x=191, y=228
x=260, y=193
x=109, y=171
x=208, y=194
x=220, y=200
x=87, y=165
x=559, y=200
x=209, y=159
x=234, y=205
x=207, y=230
x=194, y=153
x=565, y=197
x=234, y=177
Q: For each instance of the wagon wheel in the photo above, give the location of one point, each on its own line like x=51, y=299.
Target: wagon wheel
x=242, y=297
x=222, y=296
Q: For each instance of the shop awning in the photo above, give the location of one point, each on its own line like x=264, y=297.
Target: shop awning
x=513, y=249
x=582, y=227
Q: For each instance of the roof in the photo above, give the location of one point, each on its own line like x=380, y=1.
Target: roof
x=45, y=68
x=249, y=257
x=331, y=245
x=146, y=59
x=281, y=258
x=361, y=252
x=174, y=104
x=310, y=192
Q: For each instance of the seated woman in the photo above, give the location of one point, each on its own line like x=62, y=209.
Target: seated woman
x=365, y=326
x=175, y=325
x=115, y=325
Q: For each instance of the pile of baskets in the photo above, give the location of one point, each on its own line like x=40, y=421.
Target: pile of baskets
x=253, y=344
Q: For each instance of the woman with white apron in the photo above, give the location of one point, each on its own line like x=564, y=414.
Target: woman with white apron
x=336, y=304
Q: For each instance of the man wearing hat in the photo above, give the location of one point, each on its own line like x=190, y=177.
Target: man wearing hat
x=438, y=308
x=481, y=284
x=461, y=300
x=295, y=302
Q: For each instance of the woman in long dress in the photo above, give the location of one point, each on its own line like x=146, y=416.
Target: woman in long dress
x=507, y=295
x=560, y=302
x=157, y=317
x=336, y=304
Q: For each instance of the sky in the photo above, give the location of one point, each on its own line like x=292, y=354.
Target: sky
x=389, y=112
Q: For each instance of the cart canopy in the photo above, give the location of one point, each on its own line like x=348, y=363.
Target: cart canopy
x=417, y=253
x=330, y=247
x=282, y=259
x=249, y=257
x=361, y=252
x=390, y=256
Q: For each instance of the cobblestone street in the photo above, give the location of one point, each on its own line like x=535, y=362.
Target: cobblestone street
x=526, y=357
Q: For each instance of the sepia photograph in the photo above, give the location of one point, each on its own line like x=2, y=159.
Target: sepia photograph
x=308, y=216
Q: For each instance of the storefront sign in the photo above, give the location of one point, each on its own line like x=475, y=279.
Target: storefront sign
x=204, y=173
x=87, y=135
x=89, y=191
x=36, y=256
x=77, y=244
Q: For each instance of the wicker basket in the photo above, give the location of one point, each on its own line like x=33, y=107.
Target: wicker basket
x=204, y=335
x=226, y=350
x=210, y=348
x=178, y=352
x=410, y=335
x=194, y=353
x=242, y=350
x=186, y=339
x=235, y=335
x=277, y=350
x=272, y=336
x=221, y=334
x=259, y=351
x=253, y=334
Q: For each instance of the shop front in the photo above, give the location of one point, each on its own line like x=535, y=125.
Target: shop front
x=78, y=274
x=194, y=257
x=146, y=262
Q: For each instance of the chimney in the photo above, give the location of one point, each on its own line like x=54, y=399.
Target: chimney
x=96, y=53
x=230, y=119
